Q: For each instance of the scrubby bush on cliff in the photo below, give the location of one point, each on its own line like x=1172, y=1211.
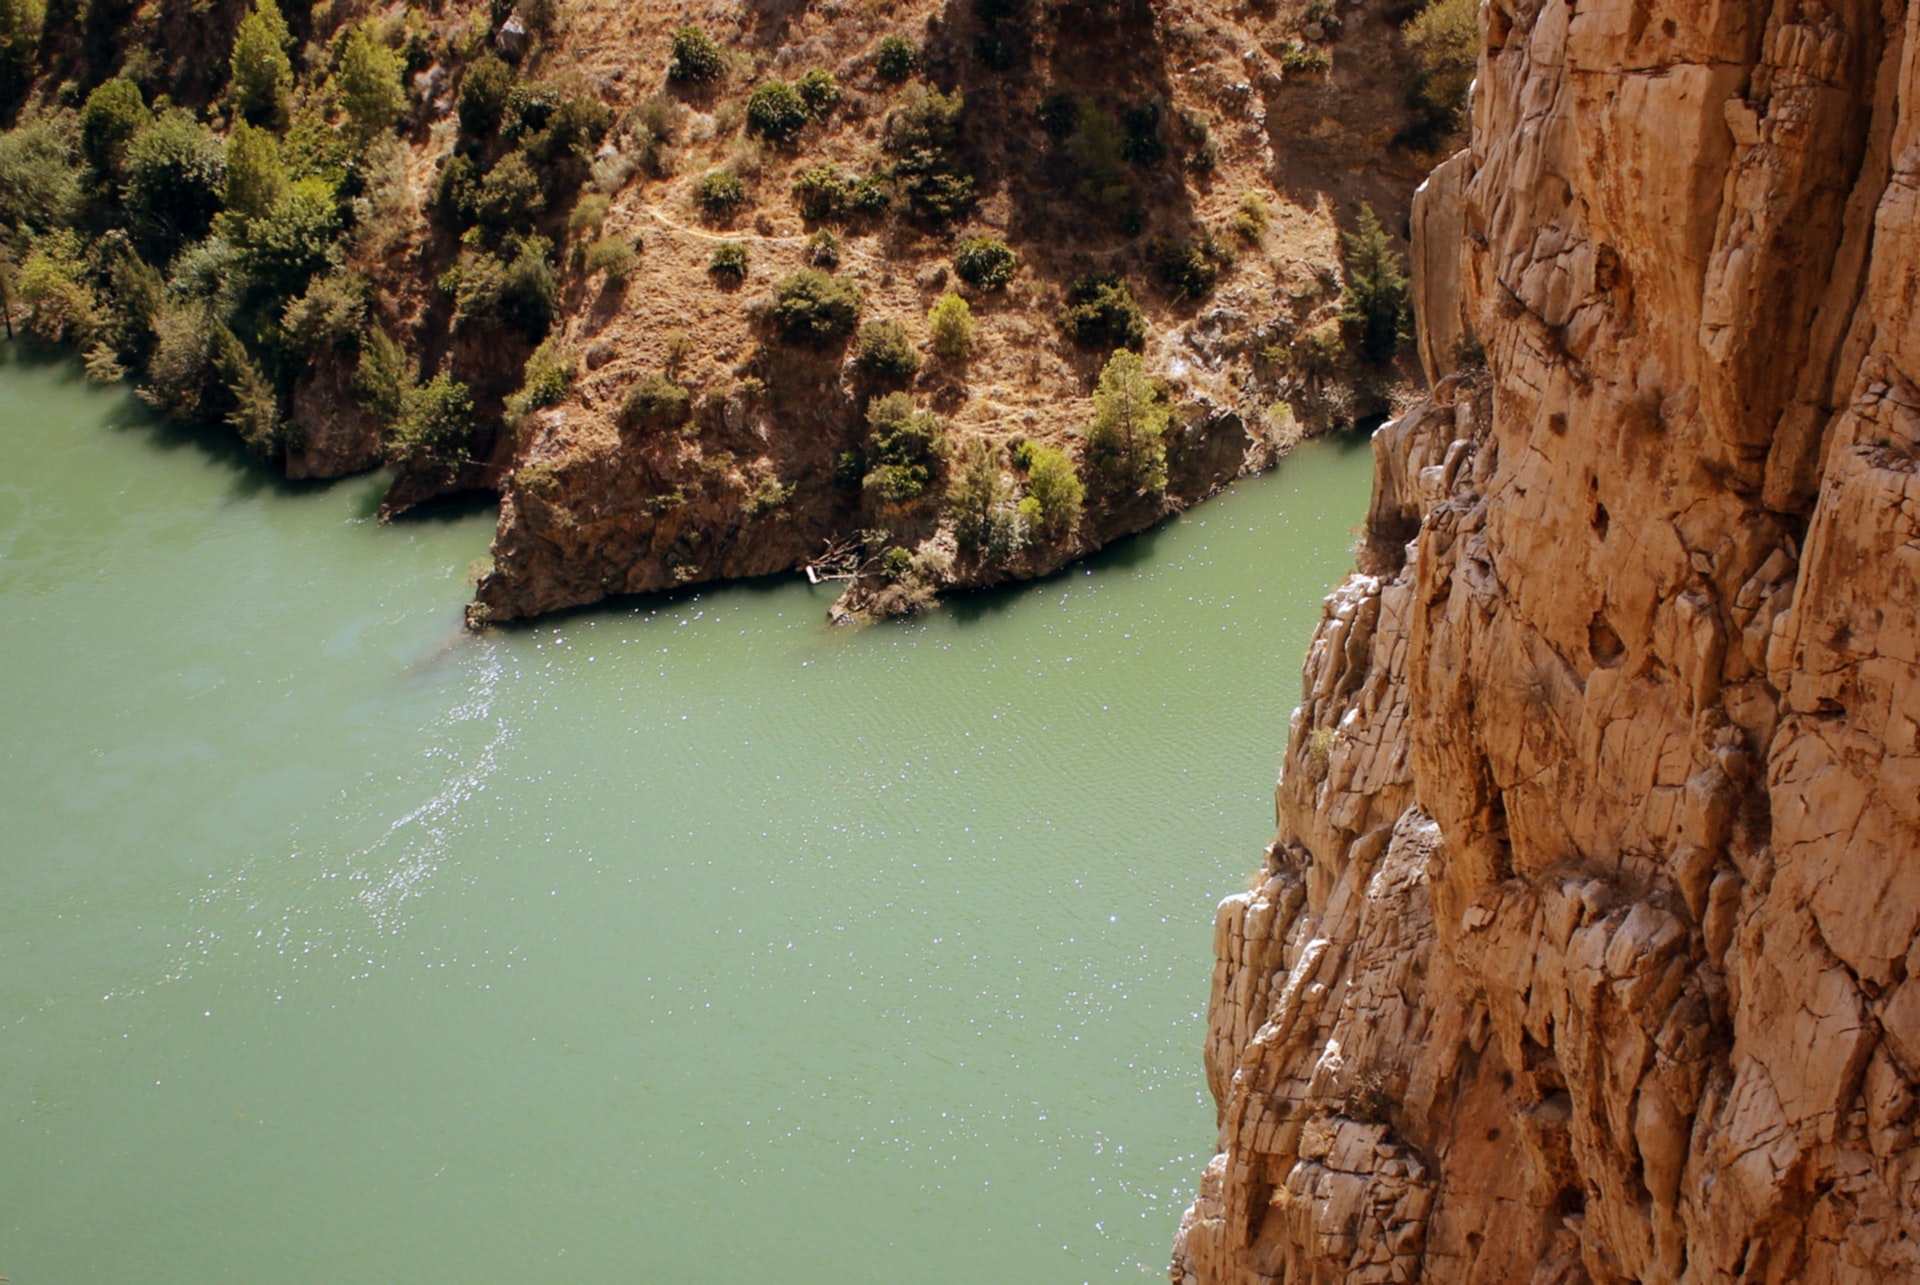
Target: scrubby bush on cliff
x=20, y=25
x=720, y=193
x=1378, y=309
x=435, y=429
x=819, y=91
x=261, y=74
x=697, y=58
x=39, y=173
x=331, y=313
x=729, y=261
x=114, y=113
x=1188, y=268
x=924, y=133
x=656, y=403
x=950, y=322
x=776, y=111
x=613, y=255
x=904, y=447
x=884, y=351
x=482, y=102
x=1446, y=34
x=1101, y=313
x=256, y=178
x=1054, y=491
x=982, y=506
x=384, y=378
x=896, y=58
x=520, y=291
x=544, y=380
x=52, y=284
x=283, y=249
x=175, y=170
x=814, y=307
x=1096, y=155
x=984, y=262
x=368, y=84
x=1126, y=448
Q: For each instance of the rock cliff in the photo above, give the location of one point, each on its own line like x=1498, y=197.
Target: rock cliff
x=1587, y=947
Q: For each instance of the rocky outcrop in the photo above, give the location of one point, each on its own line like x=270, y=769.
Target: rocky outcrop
x=1587, y=948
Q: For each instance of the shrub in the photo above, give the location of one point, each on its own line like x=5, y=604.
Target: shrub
x=769, y=495
x=884, y=351
x=821, y=193
x=613, y=255
x=1101, y=313
x=656, y=402
x=897, y=58
x=256, y=179
x=20, y=25
x=483, y=95
x=950, y=321
x=1187, y=268
x=175, y=170
x=384, y=377
x=181, y=380
x=1126, y=442
x=1446, y=35
x=571, y=130
x=253, y=407
x=262, y=76
x=1143, y=145
x=53, y=286
x=489, y=291
x=589, y=214
x=819, y=91
x=1377, y=308
x=776, y=111
x=1304, y=59
x=934, y=189
x=1097, y=156
x=435, y=429
x=456, y=190
x=1250, y=219
x=39, y=172
x=368, y=83
x=720, y=193
x=868, y=196
x=981, y=504
x=823, y=250
x=284, y=248
x=697, y=58
x=544, y=380
x=926, y=118
x=729, y=260
x=814, y=307
x=114, y=113
x=510, y=197
x=985, y=262
x=332, y=313
x=1054, y=492
x=904, y=447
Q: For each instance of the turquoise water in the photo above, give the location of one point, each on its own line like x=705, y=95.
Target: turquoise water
x=684, y=940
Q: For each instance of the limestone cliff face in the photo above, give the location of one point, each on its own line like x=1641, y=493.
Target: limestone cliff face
x=1587, y=949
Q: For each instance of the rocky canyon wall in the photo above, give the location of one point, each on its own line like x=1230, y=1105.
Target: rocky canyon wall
x=1587, y=947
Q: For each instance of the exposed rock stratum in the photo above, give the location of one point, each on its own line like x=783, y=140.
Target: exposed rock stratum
x=1587, y=948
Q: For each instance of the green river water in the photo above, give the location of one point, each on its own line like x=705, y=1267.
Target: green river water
x=687, y=940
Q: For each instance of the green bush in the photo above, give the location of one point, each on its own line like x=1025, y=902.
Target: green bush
x=175, y=170
x=821, y=193
x=181, y=379
x=589, y=214
x=720, y=193
x=1143, y=145
x=284, y=248
x=697, y=58
x=256, y=178
x=729, y=260
x=435, y=430
x=897, y=58
x=1126, y=442
x=1305, y=60
x=482, y=103
x=950, y=321
x=904, y=447
x=1446, y=35
x=53, y=286
x=511, y=196
x=331, y=314
x=819, y=91
x=384, y=377
x=518, y=292
x=982, y=506
x=926, y=118
x=544, y=380
x=1101, y=313
x=1054, y=492
x=114, y=113
x=883, y=351
x=984, y=262
x=253, y=405
x=39, y=172
x=1096, y=153
x=1189, y=269
x=568, y=132
x=1250, y=219
x=456, y=191
x=656, y=403
x=823, y=250
x=262, y=75
x=814, y=307
x=769, y=495
x=368, y=84
x=1378, y=306
x=20, y=26
x=613, y=255
x=776, y=111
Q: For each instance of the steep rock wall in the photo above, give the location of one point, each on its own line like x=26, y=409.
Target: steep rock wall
x=1587, y=948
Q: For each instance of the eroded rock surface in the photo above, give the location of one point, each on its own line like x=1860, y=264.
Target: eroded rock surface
x=1587, y=948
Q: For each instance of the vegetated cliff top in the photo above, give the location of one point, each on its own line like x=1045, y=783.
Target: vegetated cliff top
x=539, y=247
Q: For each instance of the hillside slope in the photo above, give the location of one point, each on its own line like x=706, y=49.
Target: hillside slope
x=1587, y=950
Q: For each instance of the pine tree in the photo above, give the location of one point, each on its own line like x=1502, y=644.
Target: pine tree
x=1126, y=442
x=262, y=75
x=1378, y=308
